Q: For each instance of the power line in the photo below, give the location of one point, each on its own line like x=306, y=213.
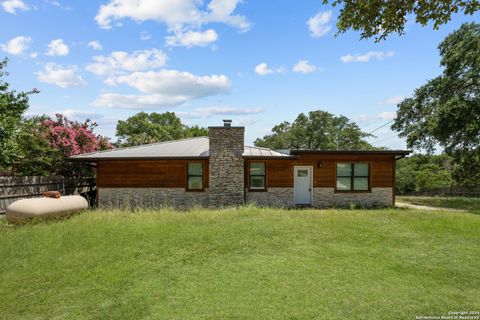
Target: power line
x=381, y=126
x=385, y=139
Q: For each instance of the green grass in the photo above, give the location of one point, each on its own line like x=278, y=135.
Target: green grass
x=471, y=204
x=243, y=263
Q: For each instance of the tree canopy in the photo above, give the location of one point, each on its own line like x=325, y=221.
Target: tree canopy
x=143, y=128
x=317, y=130
x=445, y=111
x=380, y=18
x=12, y=106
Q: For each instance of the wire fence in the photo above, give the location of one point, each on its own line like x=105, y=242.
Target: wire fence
x=469, y=192
x=15, y=188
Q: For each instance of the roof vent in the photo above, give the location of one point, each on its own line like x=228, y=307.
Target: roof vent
x=227, y=123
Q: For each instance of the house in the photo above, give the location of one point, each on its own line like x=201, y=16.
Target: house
x=219, y=170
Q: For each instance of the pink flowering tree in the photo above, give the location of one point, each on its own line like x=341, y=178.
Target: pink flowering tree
x=68, y=138
x=74, y=137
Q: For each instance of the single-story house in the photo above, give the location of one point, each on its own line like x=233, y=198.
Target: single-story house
x=219, y=170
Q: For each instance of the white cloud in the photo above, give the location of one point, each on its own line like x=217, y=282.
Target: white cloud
x=122, y=101
x=64, y=77
x=164, y=88
x=95, y=45
x=57, y=48
x=379, y=55
x=319, y=25
x=175, y=83
x=33, y=55
x=383, y=116
x=192, y=38
x=16, y=46
x=180, y=16
x=121, y=62
x=263, y=69
x=144, y=35
x=219, y=111
x=394, y=100
x=303, y=66
x=11, y=6
x=176, y=14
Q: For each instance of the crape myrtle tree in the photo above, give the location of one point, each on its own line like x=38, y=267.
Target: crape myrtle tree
x=317, y=130
x=380, y=18
x=45, y=145
x=143, y=128
x=445, y=111
x=12, y=107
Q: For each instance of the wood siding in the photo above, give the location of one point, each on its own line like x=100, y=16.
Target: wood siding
x=280, y=171
x=145, y=173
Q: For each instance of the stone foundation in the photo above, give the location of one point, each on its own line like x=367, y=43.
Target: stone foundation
x=274, y=197
x=150, y=198
x=326, y=197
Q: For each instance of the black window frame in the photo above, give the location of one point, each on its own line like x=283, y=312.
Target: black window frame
x=352, y=176
x=196, y=175
x=264, y=175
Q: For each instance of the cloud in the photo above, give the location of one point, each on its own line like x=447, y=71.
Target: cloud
x=263, y=69
x=11, y=6
x=33, y=55
x=122, y=101
x=219, y=111
x=180, y=16
x=378, y=55
x=121, y=62
x=303, y=66
x=95, y=45
x=16, y=46
x=175, y=83
x=57, y=48
x=144, y=35
x=319, y=25
x=162, y=89
x=394, y=100
x=383, y=116
x=192, y=38
x=64, y=77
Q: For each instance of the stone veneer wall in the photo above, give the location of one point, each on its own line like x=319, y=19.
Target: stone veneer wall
x=226, y=166
x=150, y=198
x=274, y=197
x=326, y=197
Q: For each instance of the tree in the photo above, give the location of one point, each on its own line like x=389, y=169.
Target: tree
x=420, y=172
x=445, y=111
x=145, y=128
x=319, y=130
x=12, y=107
x=45, y=145
x=380, y=18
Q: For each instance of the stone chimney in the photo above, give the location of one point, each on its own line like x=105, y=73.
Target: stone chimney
x=226, y=167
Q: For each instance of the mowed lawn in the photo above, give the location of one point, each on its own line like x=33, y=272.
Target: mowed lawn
x=246, y=263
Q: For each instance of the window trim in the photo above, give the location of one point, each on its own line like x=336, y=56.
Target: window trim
x=187, y=176
x=265, y=188
x=352, y=177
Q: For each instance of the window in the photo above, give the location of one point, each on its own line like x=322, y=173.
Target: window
x=257, y=176
x=195, y=176
x=353, y=177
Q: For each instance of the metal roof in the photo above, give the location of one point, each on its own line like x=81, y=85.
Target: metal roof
x=185, y=149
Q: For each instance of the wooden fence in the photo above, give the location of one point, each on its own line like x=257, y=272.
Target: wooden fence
x=471, y=192
x=15, y=188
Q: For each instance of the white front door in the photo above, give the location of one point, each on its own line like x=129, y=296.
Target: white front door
x=303, y=185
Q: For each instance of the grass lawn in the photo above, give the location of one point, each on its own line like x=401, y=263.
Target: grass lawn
x=471, y=204
x=246, y=263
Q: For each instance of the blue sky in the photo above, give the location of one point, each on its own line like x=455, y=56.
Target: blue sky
x=256, y=62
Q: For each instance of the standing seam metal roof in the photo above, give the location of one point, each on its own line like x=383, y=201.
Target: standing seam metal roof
x=184, y=148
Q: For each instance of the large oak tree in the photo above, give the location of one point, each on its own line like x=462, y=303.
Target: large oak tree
x=445, y=111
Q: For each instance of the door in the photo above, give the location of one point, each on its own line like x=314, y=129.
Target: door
x=303, y=185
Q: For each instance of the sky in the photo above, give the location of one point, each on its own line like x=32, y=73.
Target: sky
x=258, y=62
